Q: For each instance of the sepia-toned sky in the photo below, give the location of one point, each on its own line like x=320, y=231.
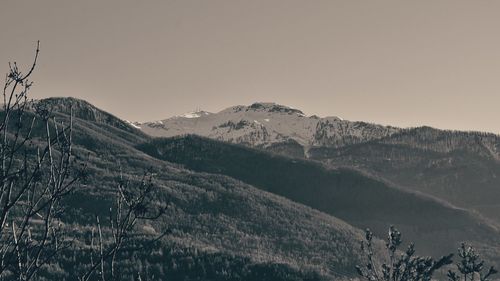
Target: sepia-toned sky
x=405, y=63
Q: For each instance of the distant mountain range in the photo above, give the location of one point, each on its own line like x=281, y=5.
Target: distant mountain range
x=268, y=124
x=284, y=196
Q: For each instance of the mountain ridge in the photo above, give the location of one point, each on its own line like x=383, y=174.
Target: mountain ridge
x=265, y=124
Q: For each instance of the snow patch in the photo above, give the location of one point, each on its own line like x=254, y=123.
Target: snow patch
x=190, y=115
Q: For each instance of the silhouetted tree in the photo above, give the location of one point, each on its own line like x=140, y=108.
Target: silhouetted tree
x=409, y=267
x=470, y=266
x=129, y=208
x=37, y=170
x=35, y=174
x=405, y=267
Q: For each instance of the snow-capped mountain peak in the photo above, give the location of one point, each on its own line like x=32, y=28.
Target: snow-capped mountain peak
x=264, y=123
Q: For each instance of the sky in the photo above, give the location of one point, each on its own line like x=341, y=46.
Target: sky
x=403, y=63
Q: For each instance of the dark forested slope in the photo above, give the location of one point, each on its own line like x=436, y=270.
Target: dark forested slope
x=361, y=200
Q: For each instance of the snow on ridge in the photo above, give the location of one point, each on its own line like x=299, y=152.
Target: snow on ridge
x=193, y=114
x=133, y=124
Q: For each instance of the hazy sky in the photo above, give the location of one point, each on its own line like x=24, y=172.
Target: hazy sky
x=404, y=63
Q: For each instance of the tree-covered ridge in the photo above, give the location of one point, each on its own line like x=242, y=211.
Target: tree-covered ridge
x=458, y=167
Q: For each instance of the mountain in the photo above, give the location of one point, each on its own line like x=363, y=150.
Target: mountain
x=220, y=228
x=457, y=167
x=268, y=125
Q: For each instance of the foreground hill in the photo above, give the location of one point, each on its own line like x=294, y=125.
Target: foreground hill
x=361, y=200
x=219, y=228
